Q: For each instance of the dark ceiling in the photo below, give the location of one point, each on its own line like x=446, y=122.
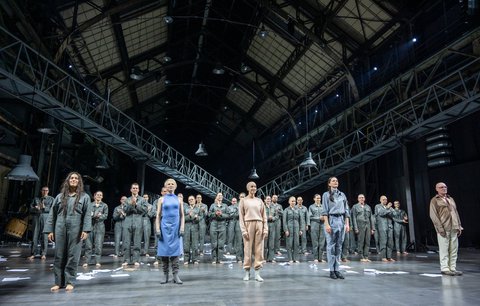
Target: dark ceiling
x=278, y=59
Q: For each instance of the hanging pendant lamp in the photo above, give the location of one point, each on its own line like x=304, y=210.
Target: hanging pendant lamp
x=201, y=150
x=253, y=173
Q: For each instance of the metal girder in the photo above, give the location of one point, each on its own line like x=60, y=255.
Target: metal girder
x=328, y=51
x=27, y=75
x=87, y=24
x=452, y=96
x=390, y=95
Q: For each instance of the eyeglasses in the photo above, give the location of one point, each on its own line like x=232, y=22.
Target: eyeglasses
x=442, y=186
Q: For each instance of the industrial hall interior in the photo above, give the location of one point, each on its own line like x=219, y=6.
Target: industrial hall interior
x=233, y=152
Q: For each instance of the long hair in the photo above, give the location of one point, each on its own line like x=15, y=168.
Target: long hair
x=65, y=190
x=330, y=192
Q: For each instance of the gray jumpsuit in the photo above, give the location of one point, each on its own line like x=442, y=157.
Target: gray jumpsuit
x=118, y=217
x=399, y=230
x=363, y=223
x=348, y=244
x=202, y=226
x=235, y=232
x=271, y=213
x=132, y=226
x=217, y=229
x=293, y=224
x=97, y=235
x=67, y=226
x=190, y=236
x=336, y=211
x=385, y=230
x=278, y=226
x=317, y=232
x=147, y=226
x=40, y=217
x=303, y=239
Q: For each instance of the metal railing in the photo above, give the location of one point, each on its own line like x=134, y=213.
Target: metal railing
x=34, y=79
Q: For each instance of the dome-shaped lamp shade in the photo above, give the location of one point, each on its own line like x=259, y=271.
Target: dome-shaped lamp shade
x=253, y=174
x=201, y=150
x=48, y=127
x=23, y=171
x=308, y=162
x=102, y=163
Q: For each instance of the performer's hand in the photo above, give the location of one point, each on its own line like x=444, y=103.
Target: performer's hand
x=245, y=236
x=159, y=235
x=264, y=235
x=287, y=233
x=372, y=232
x=357, y=231
x=300, y=233
x=347, y=228
x=84, y=236
x=459, y=233
x=51, y=237
x=328, y=229
x=181, y=233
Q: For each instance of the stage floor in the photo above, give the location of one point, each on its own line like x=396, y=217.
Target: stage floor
x=412, y=280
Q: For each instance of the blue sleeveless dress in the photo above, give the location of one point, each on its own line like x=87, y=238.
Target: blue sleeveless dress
x=171, y=243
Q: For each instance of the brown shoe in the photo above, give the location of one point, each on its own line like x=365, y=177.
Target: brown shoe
x=449, y=273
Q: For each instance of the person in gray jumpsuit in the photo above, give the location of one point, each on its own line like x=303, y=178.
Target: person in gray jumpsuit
x=147, y=225
x=271, y=213
x=235, y=231
x=97, y=235
x=400, y=221
x=384, y=214
x=68, y=224
x=292, y=225
x=316, y=223
x=278, y=223
x=118, y=217
x=135, y=208
x=218, y=215
x=190, y=237
x=336, y=215
x=303, y=211
x=362, y=226
x=39, y=210
x=202, y=225
x=347, y=244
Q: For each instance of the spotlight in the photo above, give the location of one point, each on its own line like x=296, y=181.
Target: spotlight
x=168, y=19
x=263, y=33
x=167, y=82
x=375, y=68
x=218, y=69
x=337, y=95
x=244, y=68
x=70, y=66
x=166, y=59
x=414, y=39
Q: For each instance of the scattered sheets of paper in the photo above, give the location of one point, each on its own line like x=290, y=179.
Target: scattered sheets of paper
x=17, y=270
x=431, y=275
x=14, y=279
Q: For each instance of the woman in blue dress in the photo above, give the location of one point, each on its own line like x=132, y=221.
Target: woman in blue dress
x=169, y=227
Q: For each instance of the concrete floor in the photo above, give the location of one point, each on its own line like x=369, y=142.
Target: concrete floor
x=206, y=284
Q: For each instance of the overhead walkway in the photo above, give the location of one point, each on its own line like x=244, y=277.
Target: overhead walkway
x=27, y=75
x=440, y=90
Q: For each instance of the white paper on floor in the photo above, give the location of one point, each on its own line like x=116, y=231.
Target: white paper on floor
x=84, y=277
x=351, y=271
x=101, y=271
x=421, y=256
x=120, y=275
x=14, y=252
x=374, y=271
x=17, y=270
x=15, y=255
x=345, y=267
x=431, y=275
x=2, y=259
x=118, y=269
x=14, y=279
x=229, y=256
